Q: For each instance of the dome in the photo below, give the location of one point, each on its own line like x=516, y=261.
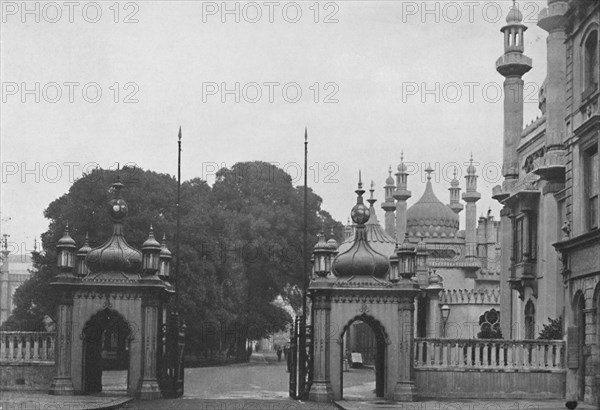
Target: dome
x=321, y=245
x=390, y=179
x=430, y=217
x=332, y=243
x=66, y=241
x=164, y=251
x=86, y=246
x=115, y=255
x=360, y=259
x=514, y=15
x=151, y=242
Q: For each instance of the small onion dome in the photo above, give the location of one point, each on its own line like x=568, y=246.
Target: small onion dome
x=332, y=243
x=454, y=183
x=514, y=15
x=164, y=251
x=390, y=179
x=471, y=168
x=321, y=245
x=85, y=248
x=151, y=242
x=401, y=165
x=361, y=259
x=66, y=241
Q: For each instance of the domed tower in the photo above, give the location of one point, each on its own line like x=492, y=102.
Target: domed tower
x=454, y=189
x=389, y=206
x=471, y=196
x=401, y=194
x=513, y=65
x=429, y=217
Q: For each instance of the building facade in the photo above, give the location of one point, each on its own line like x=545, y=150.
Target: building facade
x=456, y=268
x=550, y=190
x=14, y=270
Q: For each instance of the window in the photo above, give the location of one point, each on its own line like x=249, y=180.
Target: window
x=590, y=64
x=519, y=241
x=533, y=237
x=592, y=186
x=529, y=321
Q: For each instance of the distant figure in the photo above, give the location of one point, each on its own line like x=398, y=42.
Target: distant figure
x=289, y=360
x=286, y=350
x=279, y=352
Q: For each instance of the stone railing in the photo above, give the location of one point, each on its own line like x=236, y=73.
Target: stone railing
x=490, y=354
x=470, y=296
x=22, y=347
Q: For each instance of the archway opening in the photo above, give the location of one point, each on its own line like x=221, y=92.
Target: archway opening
x=363, y=360
x=106, y=343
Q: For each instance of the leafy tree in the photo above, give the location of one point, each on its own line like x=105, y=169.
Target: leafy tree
x=552, y=330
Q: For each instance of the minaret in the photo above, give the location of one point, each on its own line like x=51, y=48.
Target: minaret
x=389, y=206
x=471, y=196
x=552, y=19
x=513, y=65
x=454, y=189
x=401, y=194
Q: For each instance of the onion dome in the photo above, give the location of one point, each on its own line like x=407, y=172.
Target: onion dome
x=514, y=15
x=455, y=182
x=471, y=168
x=115, y=255
x=390, y=179
x=401, y=165
x=66, y=241
x=86, y=246
x=361, y=259
x=164, y=251
x=332, y=243
x=430, y=217
x=151, y=242
x=321, y=244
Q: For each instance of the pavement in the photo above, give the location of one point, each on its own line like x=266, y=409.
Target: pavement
x=261, y=384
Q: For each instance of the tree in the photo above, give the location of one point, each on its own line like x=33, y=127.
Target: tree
x=552, y=330
x=241, y=246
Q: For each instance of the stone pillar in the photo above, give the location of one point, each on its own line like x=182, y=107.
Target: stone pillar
x=405, y=389
x=513, y=125
x=148, y=388
x=62, y=384
x=434, y=319
x=321, y=390
x=506, y=313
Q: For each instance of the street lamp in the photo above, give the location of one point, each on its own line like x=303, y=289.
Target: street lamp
x=445, y=314
x=66, y=253
x=150, y=254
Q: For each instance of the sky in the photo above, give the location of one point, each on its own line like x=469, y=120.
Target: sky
x=93, y=84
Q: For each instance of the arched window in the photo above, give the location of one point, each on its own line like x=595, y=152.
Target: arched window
x=590, y=63
x=529, y=321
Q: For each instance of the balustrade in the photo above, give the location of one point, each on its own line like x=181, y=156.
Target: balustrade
x=26, y=346
x=489, y=354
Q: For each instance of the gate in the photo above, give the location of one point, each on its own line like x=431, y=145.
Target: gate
x=301, y=359
x=170, y=357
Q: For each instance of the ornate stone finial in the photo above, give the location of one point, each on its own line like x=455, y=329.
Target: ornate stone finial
x=372, y=199
x=429, y=171
x=360, y=213
x=402, y=156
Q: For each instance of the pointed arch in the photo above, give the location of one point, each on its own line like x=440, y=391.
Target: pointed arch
x=374, y=324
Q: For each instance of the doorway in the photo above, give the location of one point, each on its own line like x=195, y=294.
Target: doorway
x=363, y=360
x=106, y=348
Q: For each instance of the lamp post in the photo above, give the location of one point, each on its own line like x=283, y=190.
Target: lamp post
x=445, y=314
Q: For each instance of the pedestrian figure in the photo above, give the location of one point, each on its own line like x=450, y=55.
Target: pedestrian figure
x=279, y=352
x=286, y=350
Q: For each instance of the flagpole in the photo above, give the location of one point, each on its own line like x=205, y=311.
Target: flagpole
x=302, y=370
x=178, y=221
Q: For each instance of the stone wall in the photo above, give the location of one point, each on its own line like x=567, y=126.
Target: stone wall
x=26, y=376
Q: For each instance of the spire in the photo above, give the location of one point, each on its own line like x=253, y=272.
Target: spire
x=454, y=189
x=372, y=199
x=429, y=171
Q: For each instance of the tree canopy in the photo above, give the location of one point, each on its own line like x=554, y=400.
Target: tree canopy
x=241, y=245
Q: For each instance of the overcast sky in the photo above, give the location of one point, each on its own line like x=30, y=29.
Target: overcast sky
x=362, y=70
